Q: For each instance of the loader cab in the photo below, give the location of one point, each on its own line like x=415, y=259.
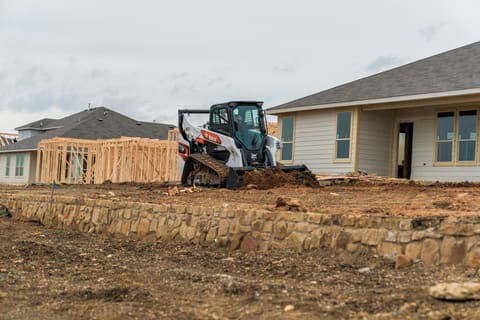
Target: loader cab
x=245, y=123
x=249, y=127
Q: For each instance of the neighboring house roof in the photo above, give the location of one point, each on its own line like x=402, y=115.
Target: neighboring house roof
x=41, y=125
x=96, y=123
x=457, y=70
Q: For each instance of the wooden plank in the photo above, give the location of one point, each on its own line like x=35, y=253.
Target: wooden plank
x=37, y=165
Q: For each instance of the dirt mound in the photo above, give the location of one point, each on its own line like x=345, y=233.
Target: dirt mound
x=272, y=178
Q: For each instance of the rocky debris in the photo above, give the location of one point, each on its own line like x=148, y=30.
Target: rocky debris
x=248, y=243
x=403, y=262
x=190, y=189
x=174, y=191
x=3, y=294
x=456, y=291
x=409, y=307
x=364, y=270
x=290, y=204
x=281, y=202
x=289, y=307
x=444, y=205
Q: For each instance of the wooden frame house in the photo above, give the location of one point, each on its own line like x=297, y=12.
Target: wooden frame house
x=89, y=147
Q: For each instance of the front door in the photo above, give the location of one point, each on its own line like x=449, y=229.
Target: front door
x=404, y=152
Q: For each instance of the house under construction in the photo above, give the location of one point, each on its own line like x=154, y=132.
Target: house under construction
x=92, y=146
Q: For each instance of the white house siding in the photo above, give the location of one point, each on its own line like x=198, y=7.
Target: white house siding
x=314, y=141
x=314, y=144
x=374, y=141
x=29, y=167
x=424, y=148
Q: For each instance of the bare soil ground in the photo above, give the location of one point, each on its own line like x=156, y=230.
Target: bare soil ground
x=56, y=274
x=351, y=197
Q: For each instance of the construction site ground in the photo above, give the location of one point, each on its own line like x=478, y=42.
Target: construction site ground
x=374, y=196
x=49, y=273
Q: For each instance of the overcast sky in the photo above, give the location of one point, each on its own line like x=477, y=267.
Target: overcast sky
x=148, y=58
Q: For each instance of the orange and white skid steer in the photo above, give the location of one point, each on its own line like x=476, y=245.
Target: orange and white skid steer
x=233, y=141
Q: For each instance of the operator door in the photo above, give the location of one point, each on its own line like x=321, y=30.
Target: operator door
x=219, y=121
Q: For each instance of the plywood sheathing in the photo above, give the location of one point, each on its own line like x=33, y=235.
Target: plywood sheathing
x=77, y=161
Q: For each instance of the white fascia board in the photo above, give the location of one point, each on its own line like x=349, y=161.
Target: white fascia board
x=37, y=128
x=15, y=151
x=378, y=101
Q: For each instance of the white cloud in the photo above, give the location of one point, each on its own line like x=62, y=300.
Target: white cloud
x=431, y=31
x=384, y=62
x=284, y=69
x=150, y=58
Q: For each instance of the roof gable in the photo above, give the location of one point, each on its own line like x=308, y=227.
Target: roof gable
x=457, y=69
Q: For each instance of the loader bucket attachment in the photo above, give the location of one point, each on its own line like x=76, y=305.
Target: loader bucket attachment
x=301, y=168
x=266, y=178
x=234, y=181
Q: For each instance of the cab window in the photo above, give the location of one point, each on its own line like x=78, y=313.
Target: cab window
x=219, y=121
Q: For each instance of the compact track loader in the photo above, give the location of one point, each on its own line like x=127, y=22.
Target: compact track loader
x=232, y=142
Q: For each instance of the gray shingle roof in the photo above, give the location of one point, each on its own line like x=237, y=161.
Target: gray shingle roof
x=96, y=123
x=457, y=69
x=42, y=124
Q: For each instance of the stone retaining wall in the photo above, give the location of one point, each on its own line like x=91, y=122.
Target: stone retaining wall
x=434, y=240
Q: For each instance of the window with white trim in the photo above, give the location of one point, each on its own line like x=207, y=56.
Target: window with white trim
x=343, y=135
x=19, y=165
x=287, y=139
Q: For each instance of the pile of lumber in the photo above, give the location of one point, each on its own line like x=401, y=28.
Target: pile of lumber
x=372, y=178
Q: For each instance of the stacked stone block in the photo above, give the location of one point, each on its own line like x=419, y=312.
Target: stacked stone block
x=432, y=240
